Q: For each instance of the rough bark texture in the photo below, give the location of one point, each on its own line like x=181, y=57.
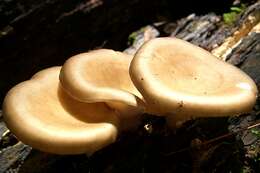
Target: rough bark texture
x=153, y=148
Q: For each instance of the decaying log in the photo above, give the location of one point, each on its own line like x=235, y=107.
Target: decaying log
x=154, y=148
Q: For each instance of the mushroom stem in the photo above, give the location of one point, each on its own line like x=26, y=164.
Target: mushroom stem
x=129, y=116
x=177, y=120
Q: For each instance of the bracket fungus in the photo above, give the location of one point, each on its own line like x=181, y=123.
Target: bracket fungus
x=103, y=76
x=182, y=81
x=43, y=116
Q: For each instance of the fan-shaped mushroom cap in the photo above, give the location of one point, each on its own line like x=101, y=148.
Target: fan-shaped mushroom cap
x=103, y=76
x=100, y=76
x=178, y=78
x=43, y=116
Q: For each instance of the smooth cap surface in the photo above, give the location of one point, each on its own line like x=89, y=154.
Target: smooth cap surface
x=178, y=78
x=100, y=76
x=43, y=116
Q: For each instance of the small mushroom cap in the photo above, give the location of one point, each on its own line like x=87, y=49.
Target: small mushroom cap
x=178, y=78
x=100, y=76
x=103, y=76
x=43, y=116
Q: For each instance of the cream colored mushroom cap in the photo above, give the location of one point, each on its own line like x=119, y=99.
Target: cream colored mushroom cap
x=178, y=78
x=100, y=76
x=43, y=116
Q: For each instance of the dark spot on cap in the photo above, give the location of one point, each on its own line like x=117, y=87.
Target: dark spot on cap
x=181, y=104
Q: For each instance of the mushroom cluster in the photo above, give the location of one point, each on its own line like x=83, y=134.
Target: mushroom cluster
x=82, y=106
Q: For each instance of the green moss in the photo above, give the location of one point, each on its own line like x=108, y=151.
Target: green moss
x=132, y=38
x=256, y=132
x=230, y=17
x=246, y=169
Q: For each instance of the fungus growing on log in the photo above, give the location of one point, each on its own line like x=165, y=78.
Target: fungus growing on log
x=103, y=91
x=182, y=81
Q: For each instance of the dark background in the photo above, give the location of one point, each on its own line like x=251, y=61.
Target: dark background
x=36, y=34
